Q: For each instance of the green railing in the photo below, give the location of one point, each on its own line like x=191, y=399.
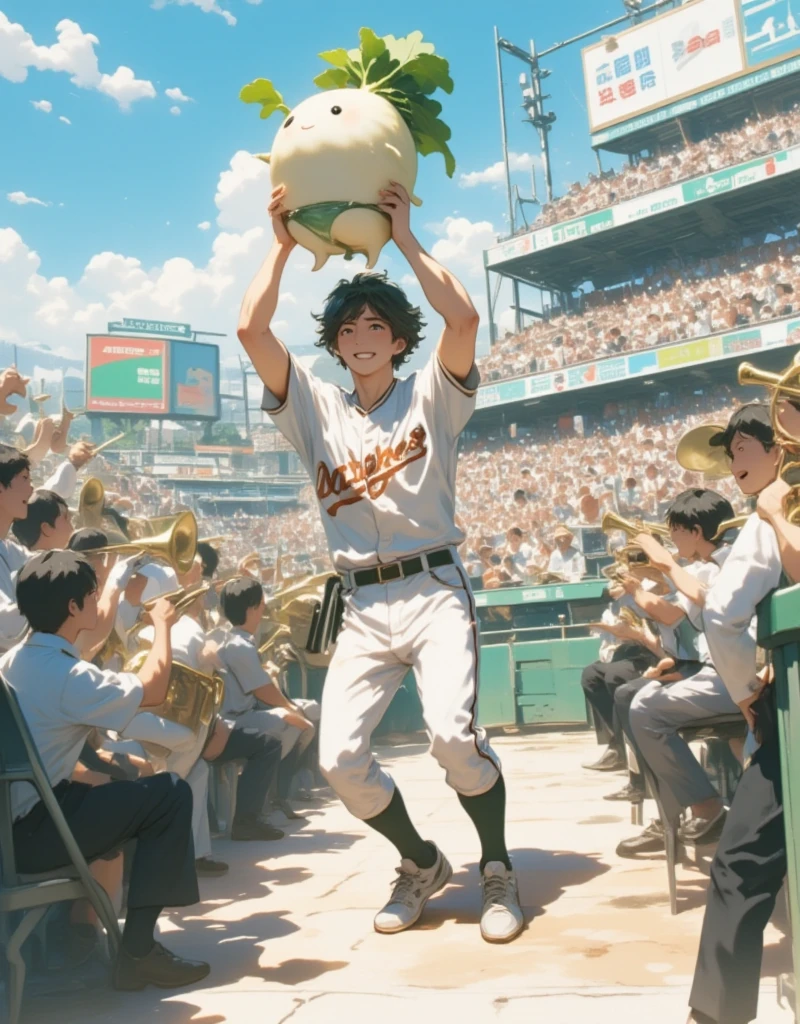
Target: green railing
x=779, y=633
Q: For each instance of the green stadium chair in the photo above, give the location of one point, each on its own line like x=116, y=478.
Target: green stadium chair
x=31, y=895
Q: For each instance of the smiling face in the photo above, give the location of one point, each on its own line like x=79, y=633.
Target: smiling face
x=14, y=498
x=752, y=466
x=342, y=144
x=366, y=344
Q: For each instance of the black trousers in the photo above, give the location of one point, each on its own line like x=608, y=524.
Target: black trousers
x=746, y=876
x=155, y=811
x=262, y=757
x=600, y=679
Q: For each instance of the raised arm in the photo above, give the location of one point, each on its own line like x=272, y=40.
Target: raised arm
x=771, y=508
x=266, y=352
x=443, y=291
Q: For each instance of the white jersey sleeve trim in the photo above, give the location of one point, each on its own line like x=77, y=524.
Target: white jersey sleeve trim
x=469, y=385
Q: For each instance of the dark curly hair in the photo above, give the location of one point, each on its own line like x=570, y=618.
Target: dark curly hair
x=387, y=300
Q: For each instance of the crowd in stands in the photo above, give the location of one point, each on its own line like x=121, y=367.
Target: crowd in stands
x=679, y=302
x=757, y=136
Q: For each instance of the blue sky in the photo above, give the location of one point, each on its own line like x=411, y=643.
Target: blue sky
x=135, y=183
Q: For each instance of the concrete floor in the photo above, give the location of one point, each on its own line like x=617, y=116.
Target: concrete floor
x=289, y=930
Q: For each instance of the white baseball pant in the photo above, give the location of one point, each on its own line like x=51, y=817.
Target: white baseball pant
x=427, y=622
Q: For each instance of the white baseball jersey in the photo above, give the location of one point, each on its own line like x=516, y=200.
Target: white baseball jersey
x=385, y=476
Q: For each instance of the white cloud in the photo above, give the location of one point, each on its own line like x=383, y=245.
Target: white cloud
x=204, y=225
x=494, y=174
x=44, y=105
x=176, y=111
x=72, y=54
x=463, y=241
x=178, y=95
x=66, y=120
x=208, y=6
x=35, y=309
x=20, y=199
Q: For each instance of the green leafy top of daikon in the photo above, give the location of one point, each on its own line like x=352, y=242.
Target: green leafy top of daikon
x=405, y=72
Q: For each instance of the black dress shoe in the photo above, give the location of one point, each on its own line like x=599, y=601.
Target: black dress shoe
x=700, y=831
x=651, y=840
x=159, y=967
x=288, y=811
x=611, y=761
x=210, y=867
x=244, y=831
x=633, y=793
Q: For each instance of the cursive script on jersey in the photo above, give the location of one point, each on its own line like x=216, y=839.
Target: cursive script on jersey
x=369, y=478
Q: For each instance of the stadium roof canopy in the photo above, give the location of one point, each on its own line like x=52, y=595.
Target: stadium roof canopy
x=688, y=231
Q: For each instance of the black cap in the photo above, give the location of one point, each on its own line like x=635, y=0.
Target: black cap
x=752, y=420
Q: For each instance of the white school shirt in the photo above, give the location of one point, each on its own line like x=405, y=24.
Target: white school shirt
x=13, y=625
x=751, y=571
x=385, y=477
x=242, y=671
x=62, y=699
x=571, y=564
x=187, y=638
x=689, y=635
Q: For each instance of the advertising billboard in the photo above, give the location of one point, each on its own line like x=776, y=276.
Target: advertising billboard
x=152, y=377
x=126, y=375
x=689, y=49
x=770, y=31
x=194, y=380
x=699, y=53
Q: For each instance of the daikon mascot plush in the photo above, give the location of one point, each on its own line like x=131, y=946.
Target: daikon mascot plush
x=337, y=149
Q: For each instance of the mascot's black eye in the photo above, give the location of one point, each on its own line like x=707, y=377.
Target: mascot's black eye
x=336, y=110
x=288, y=121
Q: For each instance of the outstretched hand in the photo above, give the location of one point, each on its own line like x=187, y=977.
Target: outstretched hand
x=277, y=211
x=395, y=202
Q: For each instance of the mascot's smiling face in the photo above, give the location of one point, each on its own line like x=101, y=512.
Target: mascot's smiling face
x=352, y=119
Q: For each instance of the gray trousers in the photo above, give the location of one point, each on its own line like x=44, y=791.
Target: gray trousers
x=657, y=712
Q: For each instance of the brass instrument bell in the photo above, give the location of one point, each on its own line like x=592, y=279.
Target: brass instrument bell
x=176, y=545
x=91, y=503
x=695, y=452
x=730, y=524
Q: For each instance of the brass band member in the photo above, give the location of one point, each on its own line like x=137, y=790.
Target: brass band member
x=62, y=699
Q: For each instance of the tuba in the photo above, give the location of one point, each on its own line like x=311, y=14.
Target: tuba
x=193, y=698
x=176, y=545
x=782, y=386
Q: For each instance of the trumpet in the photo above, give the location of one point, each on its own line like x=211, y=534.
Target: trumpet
x=176, y=545
x=631, y=527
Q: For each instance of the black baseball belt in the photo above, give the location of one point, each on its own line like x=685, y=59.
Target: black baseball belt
x=399, y=570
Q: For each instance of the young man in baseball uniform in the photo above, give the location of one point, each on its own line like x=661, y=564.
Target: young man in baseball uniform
x=383, y=459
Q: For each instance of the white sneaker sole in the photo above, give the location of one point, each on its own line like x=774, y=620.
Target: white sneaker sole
x=500, y=940
x=393, y=930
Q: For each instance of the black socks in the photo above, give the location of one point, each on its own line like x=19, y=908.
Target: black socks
x=395, y=824
x=137, y=935
x=488, y=814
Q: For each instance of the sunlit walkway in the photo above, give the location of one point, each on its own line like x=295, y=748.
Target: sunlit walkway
x=289, y=930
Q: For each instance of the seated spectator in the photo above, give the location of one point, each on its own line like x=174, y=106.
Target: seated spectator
x=62, y=699
x=567, y=559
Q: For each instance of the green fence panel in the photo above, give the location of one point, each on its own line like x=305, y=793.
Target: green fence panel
x=779, y=632
x=496, y=705
x=547, y=680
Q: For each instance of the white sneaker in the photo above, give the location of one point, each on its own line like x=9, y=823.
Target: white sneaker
x=501, y=916
x=411, y=890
